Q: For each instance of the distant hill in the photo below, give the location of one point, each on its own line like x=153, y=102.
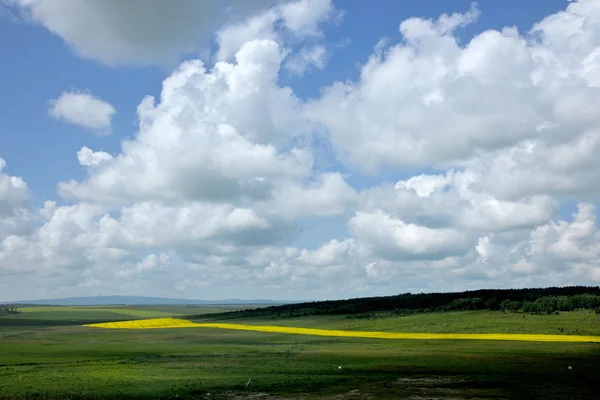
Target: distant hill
x=136, y=300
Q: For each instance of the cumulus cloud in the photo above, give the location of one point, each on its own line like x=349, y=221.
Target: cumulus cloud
x=136, y=31
x=231, y=38
x=332, y=253
x=389, y=237
x=222, y=188
x=90, y=158
x=214, y=136
x=307, y=58
x=303, y=17
x=156, y=32
x=209, y=172
x=293, y=21
x=562, y=170
x=14, y=201
x=84, y=110
x=422, y=98
x=566, y=252
x=13, y=190
x=328, y=194
x=577, y=241
x=454, y=199
x=150, y=264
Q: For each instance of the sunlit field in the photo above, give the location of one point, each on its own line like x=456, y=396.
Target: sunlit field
x=165, y=323
x=77, y=315
x=58, y=361
x=154, y=323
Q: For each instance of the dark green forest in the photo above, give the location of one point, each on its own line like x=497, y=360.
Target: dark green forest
x=534, y=301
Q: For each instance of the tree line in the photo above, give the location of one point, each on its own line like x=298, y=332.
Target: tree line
x=535, y=301
x=8, y=310
x=541, y=305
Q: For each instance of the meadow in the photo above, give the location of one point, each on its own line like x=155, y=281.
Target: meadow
x=78, y=315
x=70, y=361
x=570, y=323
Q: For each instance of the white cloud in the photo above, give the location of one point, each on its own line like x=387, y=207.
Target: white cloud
x=209, y=171
x=295, y=21
x=486, y=212
x=231, y=38
x=490, y=214
x=13, y=190
x=224, y=186
x=83, y=109
x=391, y=238
x=214, y=136
x=136, y=31
x=90, y=158
x=150, y=225
x=422, y=98
x=455, y=199
x=303, y=17
x=332, y=253
x=536, y=168
x=559, y=251
x=307, y=58
x=150, y=264
x=425, y=185
x=418, y=29
x=578, y=241
x=329, y=194
x=15, y=217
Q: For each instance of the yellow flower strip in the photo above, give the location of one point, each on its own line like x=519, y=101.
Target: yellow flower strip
x=158, y=323
x=154, y=323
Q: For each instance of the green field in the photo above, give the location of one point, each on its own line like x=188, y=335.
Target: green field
x=566, y=323
x=78, y=315
x=67, y=361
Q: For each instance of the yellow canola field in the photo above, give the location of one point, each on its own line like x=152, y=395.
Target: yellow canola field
x=153, y=323
x=158, y=323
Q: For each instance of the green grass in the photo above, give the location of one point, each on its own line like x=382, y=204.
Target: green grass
x=34, y=312
x=79, y=315
x=50, y=312
x=568, y=323
x=66, y=362
x=137, y=311
x=173, y=310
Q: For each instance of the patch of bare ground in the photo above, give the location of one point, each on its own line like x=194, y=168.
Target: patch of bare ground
x=428, y=381
x=446, y=388
x=354, y=394
x=411, y=388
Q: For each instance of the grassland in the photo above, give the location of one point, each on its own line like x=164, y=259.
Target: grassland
x=169, y=323
x=129, y=312
x=78, y=315
x=566, y=323
x=60, y=361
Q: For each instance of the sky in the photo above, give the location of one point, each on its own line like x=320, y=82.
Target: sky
x=297, y=149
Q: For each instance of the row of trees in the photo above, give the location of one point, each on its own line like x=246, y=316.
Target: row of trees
x=7, y=310
x=541, y=305
x=565, y=298
x=551, y=304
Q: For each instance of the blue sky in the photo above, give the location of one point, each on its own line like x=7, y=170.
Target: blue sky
x=344, y=215
x=28, y=85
